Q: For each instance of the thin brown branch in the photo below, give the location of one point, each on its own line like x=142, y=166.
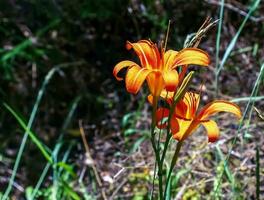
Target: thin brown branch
x=236, y=9
x=89, y=157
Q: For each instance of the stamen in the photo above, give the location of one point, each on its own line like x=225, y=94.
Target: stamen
x=167, y=35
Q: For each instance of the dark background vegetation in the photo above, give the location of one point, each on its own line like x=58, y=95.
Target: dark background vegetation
x=88, y=37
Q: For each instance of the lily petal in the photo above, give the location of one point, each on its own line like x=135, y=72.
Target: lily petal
x=160, y=115
x=135, y=77
x=167, y=96
x=150, y=99
x=156, y=83
x=147, y=52
x=191, y=100
x=212, y=130
x=174, y=125
x=218, y=106
x=181, y=109
x=193, y=56
x=169, y=59
x=186, y=128
x=195, y=98
x=123, y=64
x=183, y=127
x=171, y=79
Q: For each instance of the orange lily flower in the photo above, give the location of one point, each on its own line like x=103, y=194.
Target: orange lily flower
x=158, y=68
x=186, y=120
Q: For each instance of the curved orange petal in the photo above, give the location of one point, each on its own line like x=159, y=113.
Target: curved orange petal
x=193, y=56
x=167, y=96
x=171, y=79
x=174, y=126
x=181, y=109
x=155, y=83
x=184, y=126
x=212, y=130
x=218, y=106
x=160, y=115
x=135, y=77
x=147, y=52
x=192, y=100
x=169, y=58
x=150, y=98
x=121, y=65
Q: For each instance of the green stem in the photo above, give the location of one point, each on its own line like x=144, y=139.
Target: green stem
x=168, y=136
x=153, y=124
x=153, y=181
x=173, y=162
x=155, y=167
x=156, y=150
x=177, y=97
x=218, y=39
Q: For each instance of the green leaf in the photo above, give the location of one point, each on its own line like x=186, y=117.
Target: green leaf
x=137, y=144
x=126, y=119
x=70, y=192
x=31, y=134
x=131, y=131
x=29, y=191
x=226, y=168
x=67, y=167
x=234, y=40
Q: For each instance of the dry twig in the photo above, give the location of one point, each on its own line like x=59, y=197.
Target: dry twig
x=89, y=157
x=236, y=9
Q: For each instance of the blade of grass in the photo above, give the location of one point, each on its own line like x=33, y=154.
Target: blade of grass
x=32, y=135
x=58, y=187
x=23, y=143
x=256, y=98
x=250, y=113
x=23, y=45
x=31, y=120
x=248, y=107
x=70, y=192
x=57, y=146
x=28, y=42
x=40, y=181
x=174, y=181
x=218, y=39
x=234, y=40
x=217, y=191
x=228, y=172
x=60, y=140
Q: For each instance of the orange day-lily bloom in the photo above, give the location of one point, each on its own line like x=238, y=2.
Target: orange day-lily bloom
x=158, y=68
x=185, y=119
